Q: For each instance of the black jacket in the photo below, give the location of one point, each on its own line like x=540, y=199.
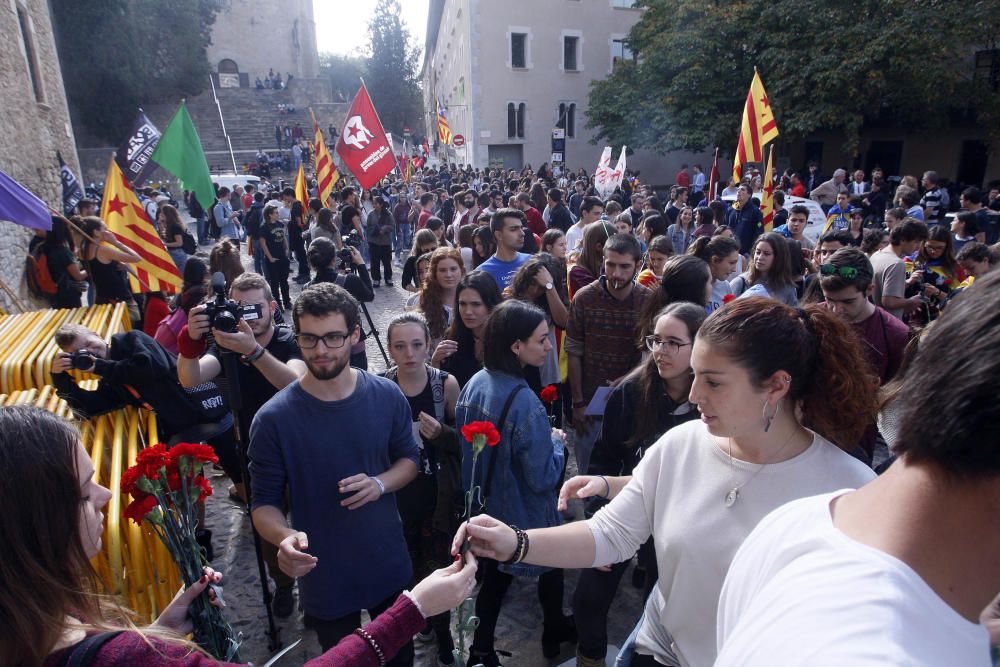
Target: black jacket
x=136, y=360
x=560, y=218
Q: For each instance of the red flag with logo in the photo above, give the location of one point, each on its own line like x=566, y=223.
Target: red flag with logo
x=713, y=179
x=363, y=146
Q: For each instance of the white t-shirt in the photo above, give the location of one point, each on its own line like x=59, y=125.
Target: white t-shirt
x=574, y=238
x=678, y=494
x=800, y=592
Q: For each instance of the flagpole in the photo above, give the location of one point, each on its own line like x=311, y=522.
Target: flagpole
x=222, y=120
x=13, y=297
x=90, y=238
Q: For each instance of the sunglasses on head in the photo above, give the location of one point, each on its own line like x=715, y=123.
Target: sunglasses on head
x=848, y=272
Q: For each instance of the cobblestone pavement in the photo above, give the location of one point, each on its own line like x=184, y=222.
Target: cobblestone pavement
x=520, y=625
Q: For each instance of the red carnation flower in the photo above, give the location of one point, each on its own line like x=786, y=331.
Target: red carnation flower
x=729, y=297
x=203, y=453
x=485, y=429
x=138, y=509
x=129, y=480
x=204, y=485
x=550, y=394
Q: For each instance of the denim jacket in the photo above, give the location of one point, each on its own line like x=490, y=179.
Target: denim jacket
x=530, y=465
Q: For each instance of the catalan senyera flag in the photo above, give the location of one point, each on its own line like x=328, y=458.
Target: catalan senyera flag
x=758, y=128
x=444, y=130
x=301, y=188
x=126, y=217
x=326, y=171
x=767, y=194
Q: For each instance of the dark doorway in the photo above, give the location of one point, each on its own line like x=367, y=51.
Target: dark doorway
x=885, y=154
x=814, y=153
x=972, y=163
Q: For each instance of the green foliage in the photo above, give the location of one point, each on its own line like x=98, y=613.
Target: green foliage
x=834, y=66
x=117, y=55
x=392, y=70
x=345, y=73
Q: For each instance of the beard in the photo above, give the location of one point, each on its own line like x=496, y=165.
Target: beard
x=327, y=373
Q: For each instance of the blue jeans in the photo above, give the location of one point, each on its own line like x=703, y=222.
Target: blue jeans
x=404, y=240
x=202, y=225
x=624, y=658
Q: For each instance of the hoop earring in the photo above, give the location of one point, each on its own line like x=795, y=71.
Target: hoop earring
x=768, y=420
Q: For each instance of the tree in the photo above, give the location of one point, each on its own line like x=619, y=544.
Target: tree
x=119, y=54
x=392, y=70
x=345, y=73
x=825, y=66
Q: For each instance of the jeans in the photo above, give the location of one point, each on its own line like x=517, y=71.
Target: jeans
x=331, y=632
x=381, y=258
x=202, y=226
x=404, y=239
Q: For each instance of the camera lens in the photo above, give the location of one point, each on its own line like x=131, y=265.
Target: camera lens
x=224, y=321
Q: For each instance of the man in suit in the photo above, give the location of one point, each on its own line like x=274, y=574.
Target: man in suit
x=858, y=185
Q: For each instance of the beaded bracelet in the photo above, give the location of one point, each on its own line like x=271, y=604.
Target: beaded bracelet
x=373, y=644
x=521, y=550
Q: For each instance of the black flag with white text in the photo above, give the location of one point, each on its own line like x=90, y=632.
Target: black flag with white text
x=71, y=190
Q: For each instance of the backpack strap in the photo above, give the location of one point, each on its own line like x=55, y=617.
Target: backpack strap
x=84, y=653
x=437, y=379
x=493, y=459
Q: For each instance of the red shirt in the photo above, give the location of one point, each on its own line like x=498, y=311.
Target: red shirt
x=682, y=179
x=424, y=217
x=798, y=190
x=535, y=221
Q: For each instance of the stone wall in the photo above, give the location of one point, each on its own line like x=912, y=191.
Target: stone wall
x=34, y=124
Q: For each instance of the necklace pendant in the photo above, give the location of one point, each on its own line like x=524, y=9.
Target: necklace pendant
x=732, y=497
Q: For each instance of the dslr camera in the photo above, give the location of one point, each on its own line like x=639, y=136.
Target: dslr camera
x=352, y=240
x=81, y=360
x=224, y=313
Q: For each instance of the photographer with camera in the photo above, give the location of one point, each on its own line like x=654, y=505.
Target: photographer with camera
x=346, y=268
x=243, y=324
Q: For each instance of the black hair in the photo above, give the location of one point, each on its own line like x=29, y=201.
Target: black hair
x=976, y=252
x=799, y=209
x=325, y=299
x=850, y=258
x=655, y=224
x=843, y=237
x=910, y=229
x=625, y=244
x=961, y=437
x=684, y=278
x=589, y=203
x=498, y=220
x=509, y=322
x=322, y=251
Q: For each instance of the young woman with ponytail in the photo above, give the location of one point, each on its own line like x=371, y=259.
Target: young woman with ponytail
x=776, y=387
x=722, y=254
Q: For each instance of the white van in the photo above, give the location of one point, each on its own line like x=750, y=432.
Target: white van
x=231, y=180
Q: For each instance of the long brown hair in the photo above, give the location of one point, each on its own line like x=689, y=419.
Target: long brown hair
x=591, y=257
x=684, y=279
x=780, y=274
x=431, y=299
x=831, y=378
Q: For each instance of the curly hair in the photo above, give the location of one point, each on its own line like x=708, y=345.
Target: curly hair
x=832, y=380
x=431, y=297
x=225, y=257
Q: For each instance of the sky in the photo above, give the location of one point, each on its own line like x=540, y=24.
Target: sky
x=336, y=34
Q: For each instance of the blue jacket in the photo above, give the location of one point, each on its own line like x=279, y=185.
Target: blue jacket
x=530, y=465
x=747, y=224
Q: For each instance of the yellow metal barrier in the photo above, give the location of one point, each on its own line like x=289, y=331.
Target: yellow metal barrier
x=133, y=563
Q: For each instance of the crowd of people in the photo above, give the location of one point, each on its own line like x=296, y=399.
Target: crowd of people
x=792, y=433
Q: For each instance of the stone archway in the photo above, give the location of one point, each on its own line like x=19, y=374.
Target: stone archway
x=229, y=73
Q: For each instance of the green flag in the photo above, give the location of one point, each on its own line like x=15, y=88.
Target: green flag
x=179, y=152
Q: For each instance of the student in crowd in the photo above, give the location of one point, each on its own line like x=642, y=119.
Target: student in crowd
x=658, y=251
x=765, y=376
x=380, y=227
x=437, y=298
x=483, y=244
x=890, y=270
x=534, y=283
x=424, y=241
x=648, y=402
x=106, y=259
x=589, y=263
x=508, y=227
x=935, y=273
x=681, y=232
x=977, y=259
x=355, y=279
x=686, y=278
x=921, y=567
x=70, y=278
x=527, y=470
x=194, y=290
x=52, y=529
x=224, y=258
x=172, y=231
x=273, y=245
x=461, y=352
x=722, y=254
x=770, y=274
x=425, y=504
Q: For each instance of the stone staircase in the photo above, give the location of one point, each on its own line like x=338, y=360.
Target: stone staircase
x=251, y=115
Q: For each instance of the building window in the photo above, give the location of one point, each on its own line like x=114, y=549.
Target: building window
x=623, y=4
x=620, y=52
x=567, y=118
x=518, y=50
x=570, y=45
x=227, y=66
x=515, y=119
x=987, y=70
x=30, y=55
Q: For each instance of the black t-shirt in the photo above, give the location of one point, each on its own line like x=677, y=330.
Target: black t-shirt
x=273, y=234
x=255, y=389
x=347, y=215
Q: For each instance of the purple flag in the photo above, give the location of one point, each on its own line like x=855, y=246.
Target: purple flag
x=20, y=206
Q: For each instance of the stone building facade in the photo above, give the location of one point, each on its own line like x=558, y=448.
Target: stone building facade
x=34, y=123
x=249, y=38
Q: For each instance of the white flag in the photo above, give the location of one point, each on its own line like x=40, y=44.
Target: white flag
x=601, y=176
x=615, y=180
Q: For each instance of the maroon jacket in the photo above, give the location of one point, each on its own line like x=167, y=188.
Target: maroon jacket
x=391, y=629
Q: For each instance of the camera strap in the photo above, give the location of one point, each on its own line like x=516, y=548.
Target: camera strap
x=137, y=397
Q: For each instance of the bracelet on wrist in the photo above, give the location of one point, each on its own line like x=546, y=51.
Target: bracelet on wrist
x=607, y=486
x=361, y=632
x=381, y=486
x=255, y=355
x=521, y=549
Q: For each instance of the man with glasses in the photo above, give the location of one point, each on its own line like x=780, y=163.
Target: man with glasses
x=342, y=440
x=269, y=361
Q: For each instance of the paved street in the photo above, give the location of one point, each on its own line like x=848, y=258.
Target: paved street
x=520, y=626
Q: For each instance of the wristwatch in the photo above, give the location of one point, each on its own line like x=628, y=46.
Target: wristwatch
x=549, y=286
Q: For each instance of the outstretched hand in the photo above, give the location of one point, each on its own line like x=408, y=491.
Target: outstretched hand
x=488, y=538
x=581, y=486
x=446, y=588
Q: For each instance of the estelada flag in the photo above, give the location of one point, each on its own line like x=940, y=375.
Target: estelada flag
x=363, y=146
x=767, y=194
x=758, y=128
x=326, y=171
x=125, y=216
x=301, y=188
